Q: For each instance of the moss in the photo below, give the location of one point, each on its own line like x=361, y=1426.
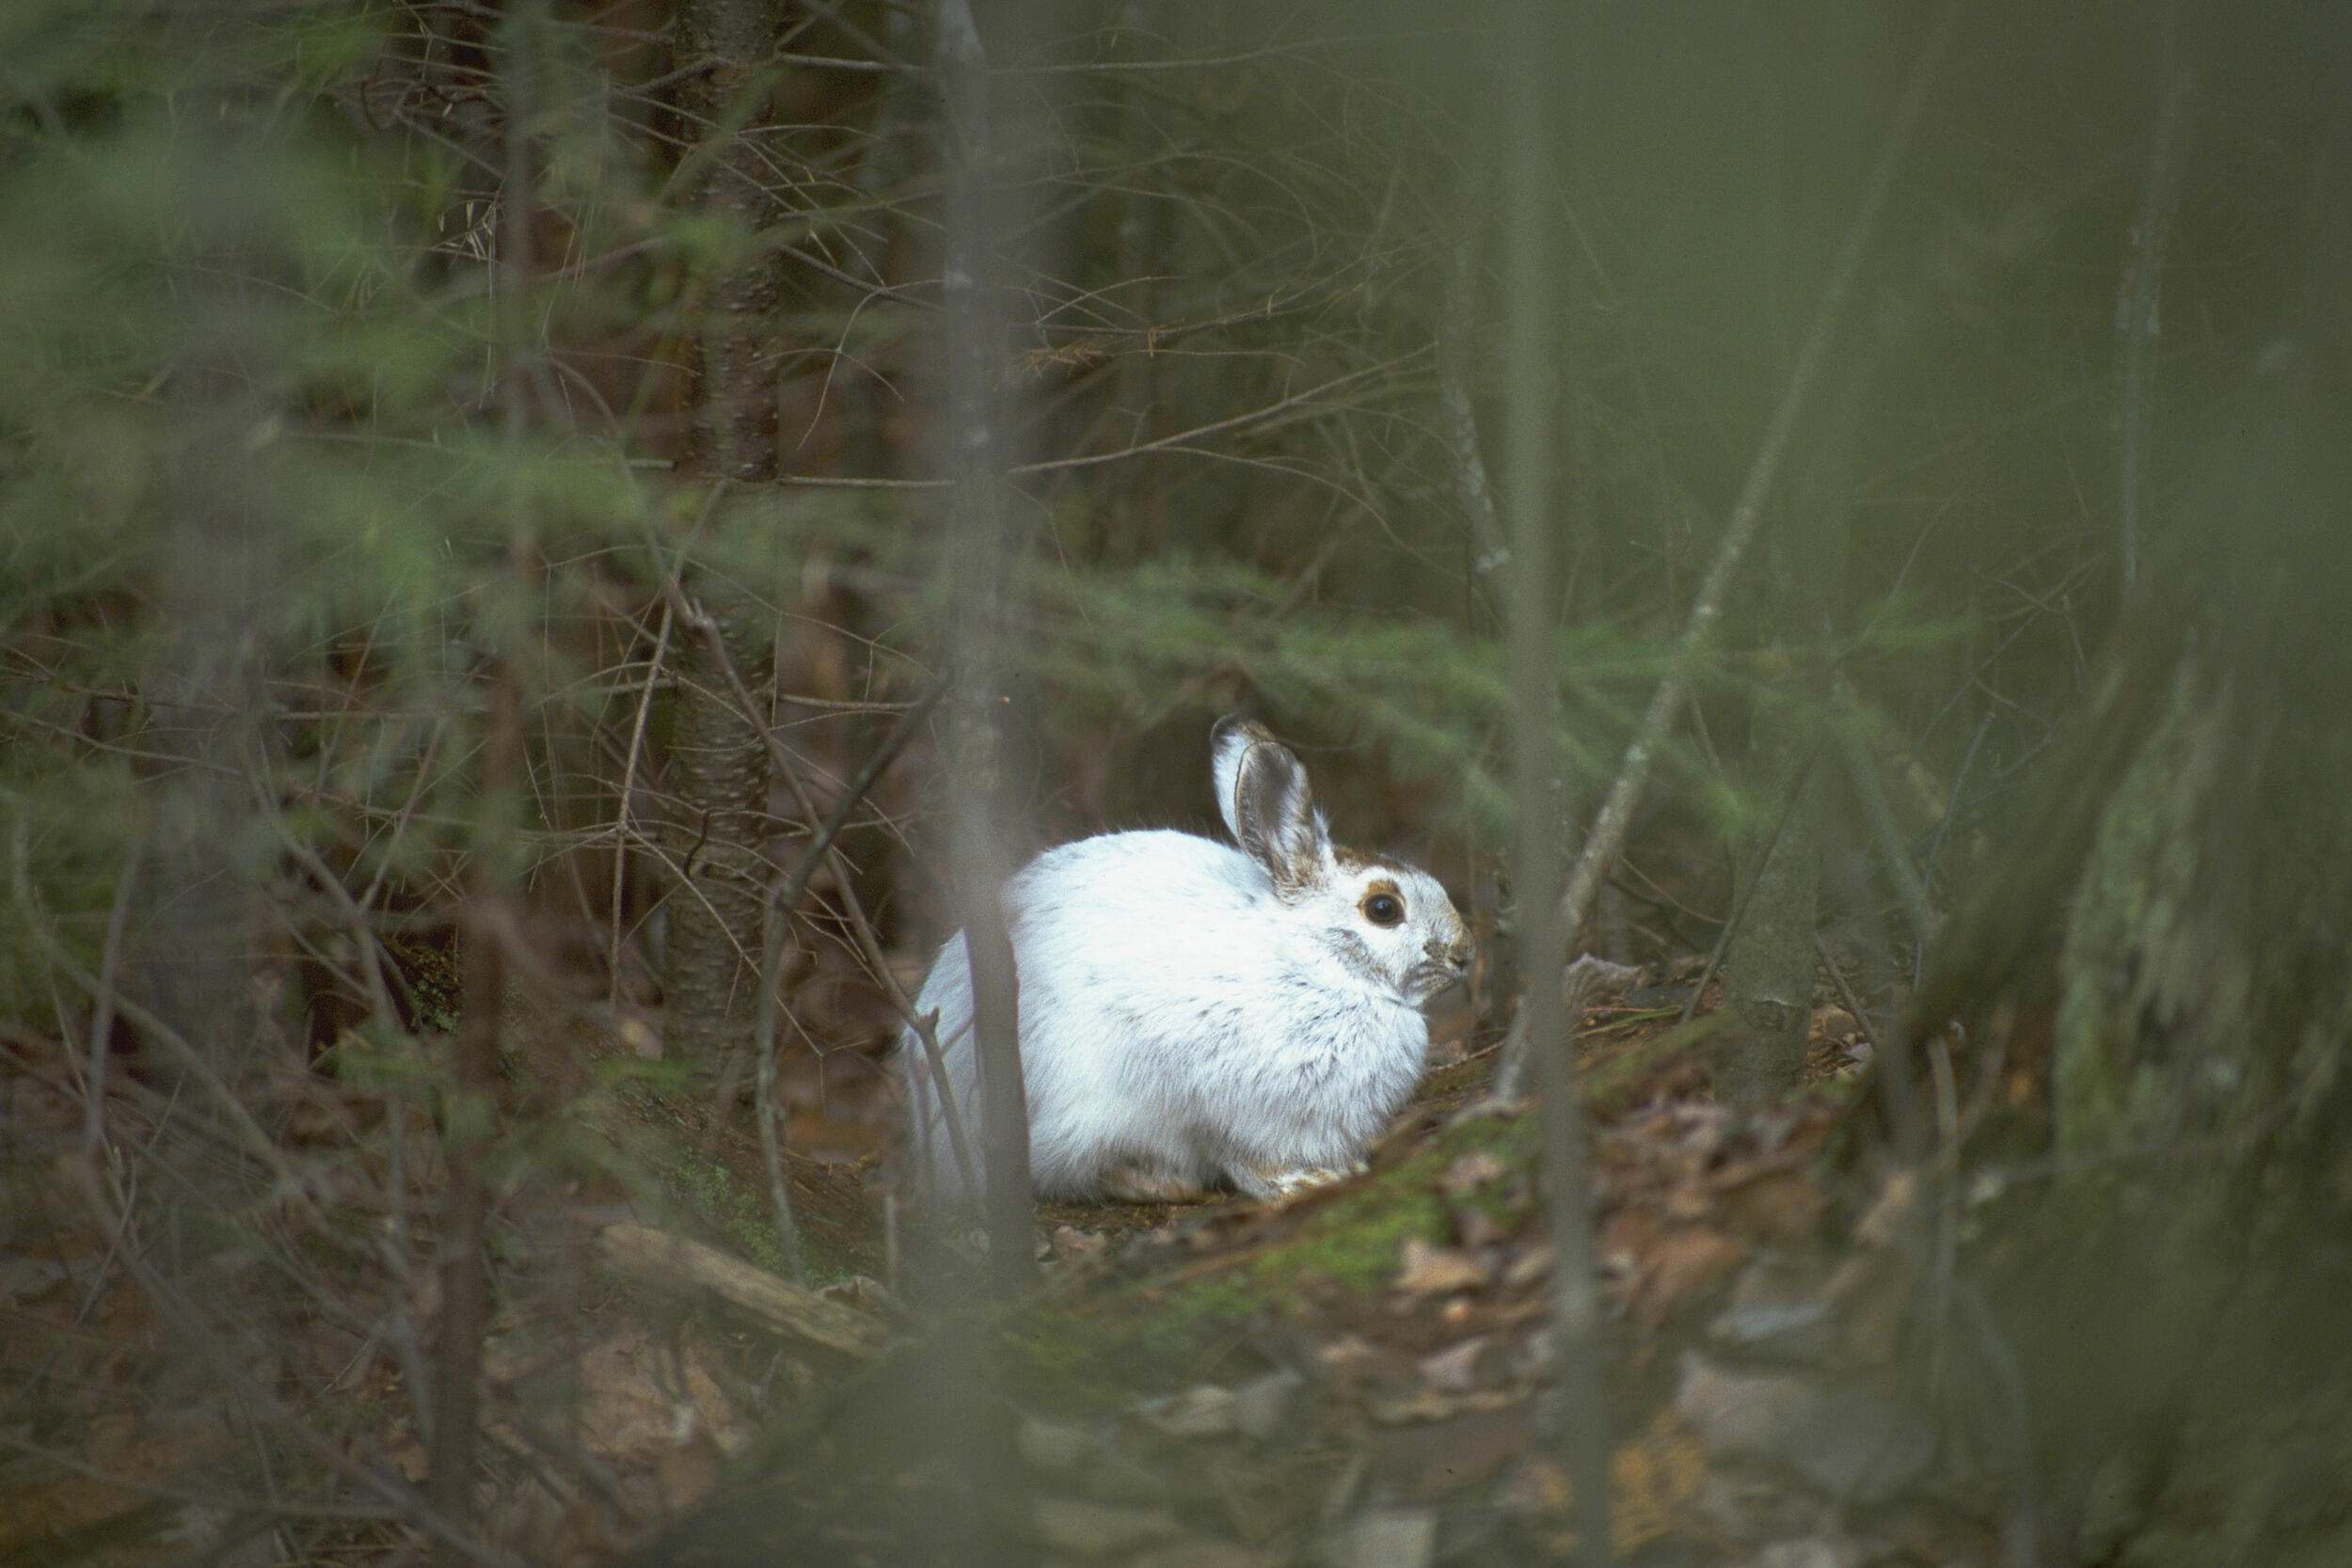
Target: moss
x=1145, y=1331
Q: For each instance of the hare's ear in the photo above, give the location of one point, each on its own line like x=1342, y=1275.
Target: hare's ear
x=1268, y=807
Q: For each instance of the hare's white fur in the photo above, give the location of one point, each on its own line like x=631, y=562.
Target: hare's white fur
x=1192, y=1011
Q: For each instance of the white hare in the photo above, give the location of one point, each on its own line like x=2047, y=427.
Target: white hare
x=1194, y=1012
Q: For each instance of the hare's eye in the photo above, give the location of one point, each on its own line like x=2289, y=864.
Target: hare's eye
x=1383, y=909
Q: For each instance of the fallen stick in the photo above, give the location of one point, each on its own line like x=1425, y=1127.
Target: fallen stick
x=658, y=1258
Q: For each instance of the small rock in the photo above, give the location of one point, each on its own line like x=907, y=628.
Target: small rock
x=1845, y=1441
x=1204, y=1410
x=1097, y=1529
x=1260, y=1405
x=1050, y=1445
x=1384, y=1538
x=1776, y=1310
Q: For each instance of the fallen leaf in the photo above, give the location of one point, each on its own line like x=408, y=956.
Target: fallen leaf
x=1653, y=1480
x=1429, y=1270
x=1684, y=1261
x=1454, y=1369
x=1471, y=1172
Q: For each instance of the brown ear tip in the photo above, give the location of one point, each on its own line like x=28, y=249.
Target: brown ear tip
x=1239, y=727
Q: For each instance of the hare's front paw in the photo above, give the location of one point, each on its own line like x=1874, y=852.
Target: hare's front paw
x=1280, y=1184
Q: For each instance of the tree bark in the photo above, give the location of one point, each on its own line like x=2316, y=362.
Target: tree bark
x=1548, y=1020
x=979, y=551
x=718, y=765
x=470, y=1113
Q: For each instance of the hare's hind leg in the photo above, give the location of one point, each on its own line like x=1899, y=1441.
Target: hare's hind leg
x=1139, y=1183
x=1282, y=1183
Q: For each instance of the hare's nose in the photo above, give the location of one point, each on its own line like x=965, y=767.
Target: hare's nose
x=1457, y=952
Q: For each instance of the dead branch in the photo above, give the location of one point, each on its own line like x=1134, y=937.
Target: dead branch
x=656, y=1258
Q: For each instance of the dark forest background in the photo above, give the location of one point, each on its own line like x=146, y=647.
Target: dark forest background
x=541, y=543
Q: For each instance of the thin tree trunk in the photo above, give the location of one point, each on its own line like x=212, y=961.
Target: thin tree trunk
x=194, y=957
x=470, y=1117
x=1545, y=1018
x=979, y=548
x=719, y=766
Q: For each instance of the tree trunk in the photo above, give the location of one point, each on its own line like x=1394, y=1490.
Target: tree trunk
x=2170, y=933
x=980, y=551
x=718, y=765
x=1579, y=1421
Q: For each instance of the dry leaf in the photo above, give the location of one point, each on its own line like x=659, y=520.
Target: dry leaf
x=1454, y=1369
x=1429, y=1270
x=1472, y=1171
x=1684, y=1261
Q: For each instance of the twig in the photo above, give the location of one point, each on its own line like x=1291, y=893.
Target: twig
x=861, y=928
x=775, y=918
x=1846, y=994
x=1456, y=422
x=1947, y=1205
x=1616, y=813
x=1177, y=441
x=190, y=1059
x=1880, y=814
x=103, y=1010
x=2136, y=320
x=190, y=1333
x=213, y=1503
x=628, y=783
x=1748, y=883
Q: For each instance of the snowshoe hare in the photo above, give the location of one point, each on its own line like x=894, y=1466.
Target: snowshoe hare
x=1195, y=1013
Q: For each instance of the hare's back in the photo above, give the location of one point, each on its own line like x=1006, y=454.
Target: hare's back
x=1156, y=870
x=1155, y=902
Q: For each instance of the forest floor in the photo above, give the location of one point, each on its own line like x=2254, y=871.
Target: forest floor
x=1358, y=1378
